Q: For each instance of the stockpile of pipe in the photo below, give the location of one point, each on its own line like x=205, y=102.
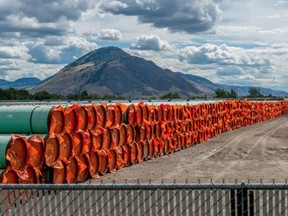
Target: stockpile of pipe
x=74, y=143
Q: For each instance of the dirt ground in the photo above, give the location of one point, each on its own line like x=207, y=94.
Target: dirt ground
x=247, y=154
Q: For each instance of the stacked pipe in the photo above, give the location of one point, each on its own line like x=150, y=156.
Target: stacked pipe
x=78, y=142
x=86, y=146
x=22, y=156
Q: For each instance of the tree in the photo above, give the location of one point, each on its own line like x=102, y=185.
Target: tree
x=221, y=93
x=72, y=96
x=84, y=95
x=254, y=92
x=232, y=94
x=4, y=95
x=170, y=96
x=44, y=95
x=14, y=94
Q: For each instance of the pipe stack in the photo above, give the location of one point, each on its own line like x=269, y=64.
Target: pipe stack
x=74, y=143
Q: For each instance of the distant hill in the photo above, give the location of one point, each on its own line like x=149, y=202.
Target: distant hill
x=111, y=71
x=3, y=82
x=210, y=87
x=20, y=83
x=244, y=90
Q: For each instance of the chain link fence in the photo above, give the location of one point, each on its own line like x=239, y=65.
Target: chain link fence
x=145, y=199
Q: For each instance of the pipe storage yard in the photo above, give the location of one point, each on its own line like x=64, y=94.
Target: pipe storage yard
x=71, y=143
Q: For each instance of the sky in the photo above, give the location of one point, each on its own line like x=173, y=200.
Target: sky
x=227, y=41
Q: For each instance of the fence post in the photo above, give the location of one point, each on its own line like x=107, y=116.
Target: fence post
x=251, y=203
x=232, y=202
x=242, y=200
x=245, y=199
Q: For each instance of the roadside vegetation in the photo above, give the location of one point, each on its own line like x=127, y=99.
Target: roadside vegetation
x=222, y=93
x=170, y=96
x=254, y=93
x=21, y=94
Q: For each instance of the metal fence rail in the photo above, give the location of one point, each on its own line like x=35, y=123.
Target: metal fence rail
x=145, y=199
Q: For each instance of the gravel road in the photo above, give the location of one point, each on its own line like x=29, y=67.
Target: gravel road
x=251, y=153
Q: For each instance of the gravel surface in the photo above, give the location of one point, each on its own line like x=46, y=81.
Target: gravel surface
x=250, y=154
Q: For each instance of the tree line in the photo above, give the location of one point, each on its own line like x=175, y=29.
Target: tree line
x=22, y=94
x=254, y=92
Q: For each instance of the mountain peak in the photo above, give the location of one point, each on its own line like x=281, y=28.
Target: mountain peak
x=104, y=54
x=109, y=49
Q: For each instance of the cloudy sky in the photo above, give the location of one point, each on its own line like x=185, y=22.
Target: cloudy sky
x=227, y=41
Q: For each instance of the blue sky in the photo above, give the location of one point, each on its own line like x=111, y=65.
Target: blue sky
x=227, y=41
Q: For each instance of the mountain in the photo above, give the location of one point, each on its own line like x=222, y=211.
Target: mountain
x=3, y=82
x=205, y=84
x=20, y=83
x=210, y=87
x=111, y=71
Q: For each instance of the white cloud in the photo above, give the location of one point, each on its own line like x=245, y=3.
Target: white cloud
x=189, y=16
x=18, y=25
x=150, y=42
x=114, y=5
x=40, y=18
x=10, y=52
x=44, y=54
x=147, y=54
x=8, y=65
x=5, y=62
x=220, y=54
x=229, y=71
x=250, y=30
x=26, y=69
x=109, y=35
x=281, y=3
x=80, y=43
x=254, y=21
x=66, y=51
x=248, y=78
x=46, y=11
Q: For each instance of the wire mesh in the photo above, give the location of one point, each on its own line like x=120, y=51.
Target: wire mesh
x=145, y=199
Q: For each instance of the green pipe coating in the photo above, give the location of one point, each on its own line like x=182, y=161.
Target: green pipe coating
x=24, y=119
x=4, y=140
